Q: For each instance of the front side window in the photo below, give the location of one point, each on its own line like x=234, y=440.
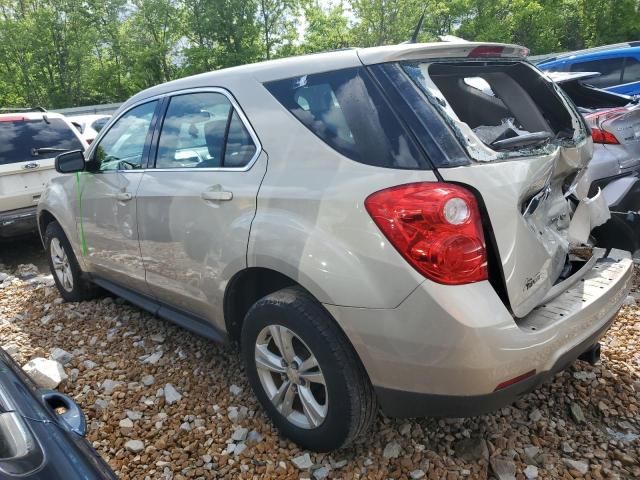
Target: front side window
x=610, y=70
x=122, y=147
x=346, y=110
x=203, y=130
x=21, y=138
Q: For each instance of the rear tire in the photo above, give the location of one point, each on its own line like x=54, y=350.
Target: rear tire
x=317, y=392
x=73, y=287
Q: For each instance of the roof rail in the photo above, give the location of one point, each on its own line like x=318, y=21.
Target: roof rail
x=602, y=48
x=22, y=109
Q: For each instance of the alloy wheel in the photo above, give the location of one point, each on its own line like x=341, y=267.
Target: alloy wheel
x=61, y=265
x=291, y=376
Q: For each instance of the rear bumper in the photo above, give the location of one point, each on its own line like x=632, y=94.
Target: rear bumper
x=445, y=349
x=18, y=222
x=397, y=403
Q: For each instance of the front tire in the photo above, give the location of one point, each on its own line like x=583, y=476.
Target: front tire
x=304, y=371
x=64, y=266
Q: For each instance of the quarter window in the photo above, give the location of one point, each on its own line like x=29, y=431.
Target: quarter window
x=203, y=130
x=122, y=147
x=347, y=111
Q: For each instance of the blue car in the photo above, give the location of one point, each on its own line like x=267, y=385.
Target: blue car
x=619, y=66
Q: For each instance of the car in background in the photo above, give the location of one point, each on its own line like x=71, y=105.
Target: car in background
x=29, y=141
x=42, y=432
x=618, y=65
x=614, y=120
x=89, y=125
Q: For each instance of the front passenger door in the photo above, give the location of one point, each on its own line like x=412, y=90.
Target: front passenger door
x=108, y=204
x=196, y=206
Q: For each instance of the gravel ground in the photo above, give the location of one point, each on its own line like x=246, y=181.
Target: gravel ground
x=163, y=403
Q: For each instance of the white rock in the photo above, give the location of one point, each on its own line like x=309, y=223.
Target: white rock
x=108, y=386
x=531, y=472
x=148, y=380
x=45, y=372
x=133, y=414
x=254, y=437
x=240, y=447
x=171, y=395
x=302, y=462
x=417, y=474
x=134, y=446
x=126, y=425
x=240, y=434
x=88, y=364
x=235, y=390
x=535, y=415
x=582, y=467
x=46, y=319
x=154, y=357
x=582, y=375
x=405, y=429
x=157, y=338
x=237, y=415
x=391, y=450
x=206, y=458
x=629, y=300
x=503, y=468
x=321, y=473
x=186, y=426
x=100, y=404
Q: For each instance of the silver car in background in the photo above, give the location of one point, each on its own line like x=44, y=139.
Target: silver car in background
x=369, y=226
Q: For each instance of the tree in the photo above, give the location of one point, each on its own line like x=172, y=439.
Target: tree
x=277, y=21
x=327, y=28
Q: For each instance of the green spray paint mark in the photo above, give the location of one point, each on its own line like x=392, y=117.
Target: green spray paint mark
x=83, y=241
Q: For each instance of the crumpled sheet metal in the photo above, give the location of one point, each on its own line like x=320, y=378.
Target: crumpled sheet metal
x=590, y=213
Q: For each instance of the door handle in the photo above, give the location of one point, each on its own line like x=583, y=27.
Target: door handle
x=123, y=196
x=217, y=195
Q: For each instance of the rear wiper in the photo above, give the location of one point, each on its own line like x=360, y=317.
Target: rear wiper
x=38, y=151
x=524, y=140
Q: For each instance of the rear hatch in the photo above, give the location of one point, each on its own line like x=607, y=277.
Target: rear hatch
x=527, y=143
x=25, y=166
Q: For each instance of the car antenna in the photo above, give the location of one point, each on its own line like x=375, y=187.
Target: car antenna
x=414, y=37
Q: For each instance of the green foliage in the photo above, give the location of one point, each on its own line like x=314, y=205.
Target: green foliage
x=60, y=53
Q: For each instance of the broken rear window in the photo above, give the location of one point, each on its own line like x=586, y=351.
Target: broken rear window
x=508, y=106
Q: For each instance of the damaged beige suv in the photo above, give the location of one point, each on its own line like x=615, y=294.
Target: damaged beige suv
x=404, y=227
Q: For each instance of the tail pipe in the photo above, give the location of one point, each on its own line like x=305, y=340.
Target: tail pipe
x=592, y=355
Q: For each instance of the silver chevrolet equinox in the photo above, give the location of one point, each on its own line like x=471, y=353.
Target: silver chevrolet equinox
x=404, y=227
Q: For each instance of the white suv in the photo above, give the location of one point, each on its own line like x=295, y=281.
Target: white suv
x=29, y=141
x=371, y=227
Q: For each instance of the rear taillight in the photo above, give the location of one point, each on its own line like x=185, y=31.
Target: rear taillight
x=436, y=227
x=602, y=136
x=595, y=121
x=12, y=118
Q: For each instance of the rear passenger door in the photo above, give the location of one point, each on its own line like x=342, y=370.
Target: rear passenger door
x=197, y=200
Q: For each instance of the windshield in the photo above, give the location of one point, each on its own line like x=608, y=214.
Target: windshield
x=19, y=138
x=505, y=107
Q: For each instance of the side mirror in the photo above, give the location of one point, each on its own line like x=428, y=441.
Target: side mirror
x=70, y=162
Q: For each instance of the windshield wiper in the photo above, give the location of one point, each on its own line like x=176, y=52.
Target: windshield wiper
x=38, y=151
x=524, y=140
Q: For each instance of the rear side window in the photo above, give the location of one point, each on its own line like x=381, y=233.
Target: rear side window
x=20, y=137
x=610, y=70
x=345, y=109
x=631, y=70
x=99, y=124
